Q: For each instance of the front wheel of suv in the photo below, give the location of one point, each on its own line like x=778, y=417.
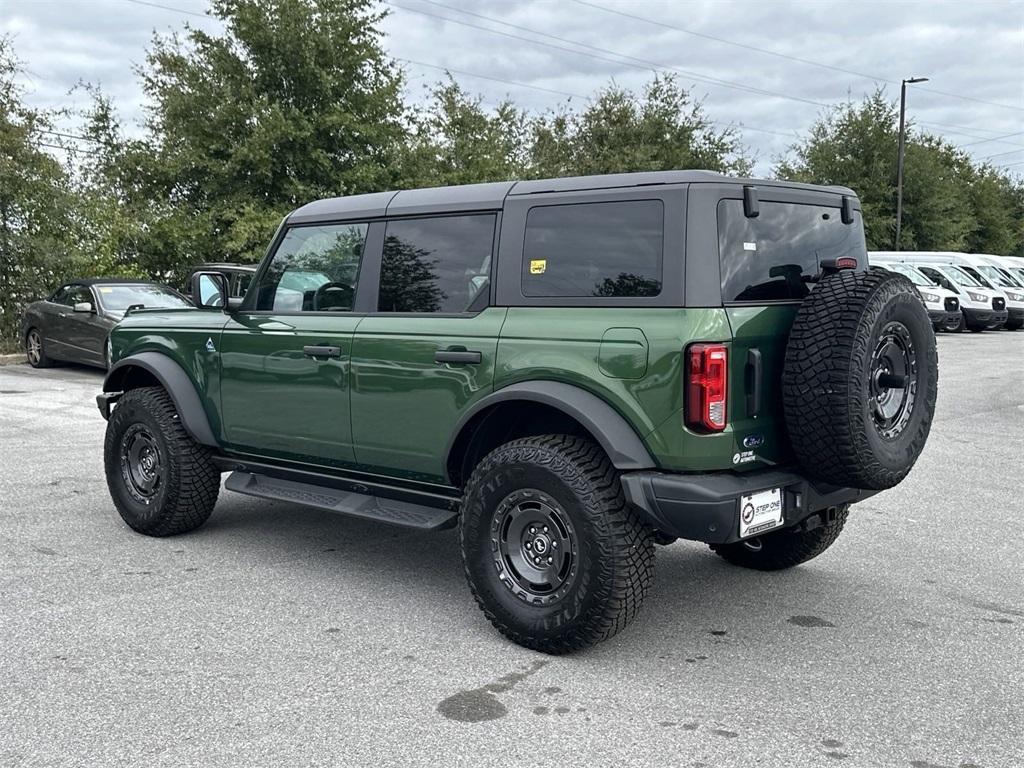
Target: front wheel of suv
x=555, y=557
x=784, y=549
x=161, y=480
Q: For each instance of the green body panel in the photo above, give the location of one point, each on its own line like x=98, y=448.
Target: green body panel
x=405, y=405
x=386, y=406
x=181, y=334
x=280, y=403
x=765, y=328
x=565, y=344
x=623, y=353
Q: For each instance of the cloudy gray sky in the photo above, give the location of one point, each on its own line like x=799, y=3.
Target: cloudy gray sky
x=767, y=67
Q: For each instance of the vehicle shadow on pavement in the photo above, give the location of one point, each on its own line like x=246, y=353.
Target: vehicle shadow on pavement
x=427, y=567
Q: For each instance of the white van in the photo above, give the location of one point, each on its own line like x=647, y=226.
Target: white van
x=984, y=306
x=942, y=304
x=1008, y=275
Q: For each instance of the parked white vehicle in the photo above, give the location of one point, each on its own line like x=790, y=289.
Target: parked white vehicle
x=983, y=305
x=942, y=304
x=1008, y=276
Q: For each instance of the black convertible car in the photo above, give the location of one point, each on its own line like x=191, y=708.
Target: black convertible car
x=74, y=322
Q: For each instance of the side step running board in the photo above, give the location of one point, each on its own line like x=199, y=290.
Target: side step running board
x=404, y=513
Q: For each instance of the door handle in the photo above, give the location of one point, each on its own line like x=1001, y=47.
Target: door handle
x=318, y=351
x=62, y=314
x=457, y=356
x=753, y=377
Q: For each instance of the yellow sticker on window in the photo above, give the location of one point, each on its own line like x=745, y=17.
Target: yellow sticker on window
x=538, y=266
x=106, y=290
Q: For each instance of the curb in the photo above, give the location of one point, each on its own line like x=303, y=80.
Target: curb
x=14, y=359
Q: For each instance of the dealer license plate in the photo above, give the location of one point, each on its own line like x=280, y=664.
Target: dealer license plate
x=760, y=512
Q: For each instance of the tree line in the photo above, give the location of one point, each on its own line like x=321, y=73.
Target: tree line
x=297, y=100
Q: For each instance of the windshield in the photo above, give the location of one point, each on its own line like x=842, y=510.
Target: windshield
x=999, y=276
x=960, y=277
x=118, y=298
x=907, y=271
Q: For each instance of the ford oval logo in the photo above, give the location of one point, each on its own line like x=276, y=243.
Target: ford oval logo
x=753, y=441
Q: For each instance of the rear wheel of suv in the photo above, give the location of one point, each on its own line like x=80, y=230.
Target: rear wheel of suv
x=161, y=480
x=554, y=556
x=860, y=379
x=784, y=549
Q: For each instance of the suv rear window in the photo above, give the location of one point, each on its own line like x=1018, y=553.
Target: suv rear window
x=594, y=249
x=774, y=256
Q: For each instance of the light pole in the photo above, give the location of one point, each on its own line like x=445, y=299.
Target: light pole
x=899, y=159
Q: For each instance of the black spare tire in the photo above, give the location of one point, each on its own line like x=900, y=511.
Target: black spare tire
x=860, y=379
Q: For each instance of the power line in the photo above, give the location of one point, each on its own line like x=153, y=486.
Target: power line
x=739, y=126
x=68, y=135
x=997, y=138
x=784, y=55
x=1003, y=154
x=643, y=64
x=495, y=79
x=169, y=8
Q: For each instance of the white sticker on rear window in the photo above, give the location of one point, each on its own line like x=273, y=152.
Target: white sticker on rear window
x=750, y=246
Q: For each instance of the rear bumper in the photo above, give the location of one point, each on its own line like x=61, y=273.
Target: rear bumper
x=706, y=507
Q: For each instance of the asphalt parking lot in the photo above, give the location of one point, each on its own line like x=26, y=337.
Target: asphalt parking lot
x=279, y=635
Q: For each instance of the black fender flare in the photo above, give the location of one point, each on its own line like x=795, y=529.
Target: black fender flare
x=625, y=449
x=179, y=386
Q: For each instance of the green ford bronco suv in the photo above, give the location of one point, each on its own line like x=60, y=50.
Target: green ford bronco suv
x=569, y=370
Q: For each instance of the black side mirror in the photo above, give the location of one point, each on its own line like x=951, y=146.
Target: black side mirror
x=210, y=290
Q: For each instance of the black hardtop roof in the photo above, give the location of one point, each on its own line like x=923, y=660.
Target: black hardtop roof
x=491, y=196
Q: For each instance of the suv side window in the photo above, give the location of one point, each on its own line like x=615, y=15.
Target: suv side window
x=440, y=264
x=594, y=249
x=314, y=269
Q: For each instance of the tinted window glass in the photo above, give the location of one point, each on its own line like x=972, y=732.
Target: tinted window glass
x=315, y=269
x=594, y=249
x=436, y=265
x=939, y=278
x=120, y=297
x=61, y=295
x=912, y=274
x=774, y=256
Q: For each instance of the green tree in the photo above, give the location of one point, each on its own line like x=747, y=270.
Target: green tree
x=620, y=131
x=455, y=140
x=948, y=203
x=36, y=199
x=295, y=101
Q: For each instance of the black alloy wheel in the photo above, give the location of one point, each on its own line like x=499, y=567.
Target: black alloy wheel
x=893, y=380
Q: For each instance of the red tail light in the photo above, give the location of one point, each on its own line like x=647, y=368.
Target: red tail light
x=707, y=367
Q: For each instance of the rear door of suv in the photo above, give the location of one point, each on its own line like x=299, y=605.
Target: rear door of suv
x=426, y=352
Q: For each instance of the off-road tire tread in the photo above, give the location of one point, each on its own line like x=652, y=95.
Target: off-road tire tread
x=193, y=480
x=827, y=341
x=785, y=549
x=626, y=543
